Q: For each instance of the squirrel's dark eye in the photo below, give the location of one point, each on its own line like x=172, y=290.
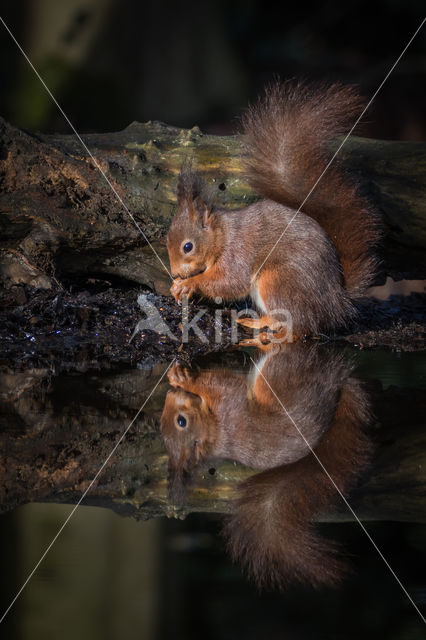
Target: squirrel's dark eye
x=187, y=247
x=181, y=420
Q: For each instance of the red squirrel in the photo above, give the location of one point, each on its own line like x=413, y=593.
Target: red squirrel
x=221, y=413
x=325, y=258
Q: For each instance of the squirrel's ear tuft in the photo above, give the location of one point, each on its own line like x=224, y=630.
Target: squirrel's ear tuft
x=192, y=192
x=189, y=185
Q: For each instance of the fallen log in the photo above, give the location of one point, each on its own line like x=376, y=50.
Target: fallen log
x=56, y=431
x=60, y=218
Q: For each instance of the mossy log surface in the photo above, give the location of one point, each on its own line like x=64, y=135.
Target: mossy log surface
x=56, y=433
x=60, y=218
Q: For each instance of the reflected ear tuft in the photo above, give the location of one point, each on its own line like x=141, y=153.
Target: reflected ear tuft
x=177, y=482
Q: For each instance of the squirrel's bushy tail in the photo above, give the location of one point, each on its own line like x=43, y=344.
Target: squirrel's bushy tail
x=288, y=137
x=271, y=530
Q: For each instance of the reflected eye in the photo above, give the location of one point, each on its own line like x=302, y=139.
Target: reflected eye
x=187, y=247
x=181, y=420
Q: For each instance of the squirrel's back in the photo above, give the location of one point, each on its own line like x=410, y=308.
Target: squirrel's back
x=288, y=137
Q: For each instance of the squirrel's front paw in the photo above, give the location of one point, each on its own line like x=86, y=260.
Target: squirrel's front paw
x=181, y=288
x=179, y=375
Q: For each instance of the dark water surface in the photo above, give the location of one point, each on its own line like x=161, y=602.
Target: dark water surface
x=112, y=574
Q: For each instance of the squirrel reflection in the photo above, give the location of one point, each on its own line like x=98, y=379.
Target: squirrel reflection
x=251, y=418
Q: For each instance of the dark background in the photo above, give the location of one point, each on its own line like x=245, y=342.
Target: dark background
x=198, y=63
x=110, y=62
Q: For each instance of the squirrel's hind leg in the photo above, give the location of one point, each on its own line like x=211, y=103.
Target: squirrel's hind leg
x=272, y=295
x=265, y=320
x=277, y=329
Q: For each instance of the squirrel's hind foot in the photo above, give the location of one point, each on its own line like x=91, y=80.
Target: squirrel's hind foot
x=268, y=340
x=260, y=323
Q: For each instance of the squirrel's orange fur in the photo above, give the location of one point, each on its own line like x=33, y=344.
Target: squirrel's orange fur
x=325, y=258
x=236, y=416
